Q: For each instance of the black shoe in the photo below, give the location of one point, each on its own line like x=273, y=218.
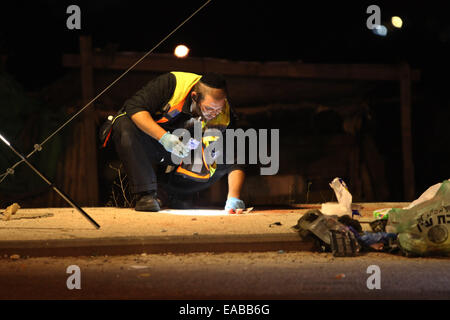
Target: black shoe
x=181, y=202
x=148, y=202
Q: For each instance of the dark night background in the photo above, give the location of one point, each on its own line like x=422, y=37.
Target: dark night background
x=34, y=33
x=34, y=36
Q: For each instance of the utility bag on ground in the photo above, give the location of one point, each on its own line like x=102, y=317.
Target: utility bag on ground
x=333, y=235
x=424, y=228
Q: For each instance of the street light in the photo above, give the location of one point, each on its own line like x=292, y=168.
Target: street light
x=380, y=30
x=397, y=22
x=181, y=51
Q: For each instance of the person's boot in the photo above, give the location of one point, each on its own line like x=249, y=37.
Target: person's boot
x=178, y=201
x=147, y=202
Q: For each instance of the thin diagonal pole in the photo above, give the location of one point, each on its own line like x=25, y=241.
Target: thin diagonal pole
x=62, y=194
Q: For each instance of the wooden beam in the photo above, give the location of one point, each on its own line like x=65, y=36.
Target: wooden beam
x=166, y=63
x=405, y=111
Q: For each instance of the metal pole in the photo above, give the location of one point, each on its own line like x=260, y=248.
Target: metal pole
x=62, y=194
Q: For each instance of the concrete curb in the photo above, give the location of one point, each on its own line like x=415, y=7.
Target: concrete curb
x=62, y=232
x=152, y=244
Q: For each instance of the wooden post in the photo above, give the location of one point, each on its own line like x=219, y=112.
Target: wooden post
x=87, y=75
x=408, y=164
x=87, y=180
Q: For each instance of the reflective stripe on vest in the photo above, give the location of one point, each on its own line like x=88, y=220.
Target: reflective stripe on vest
x=204, y=175
x=184, y=83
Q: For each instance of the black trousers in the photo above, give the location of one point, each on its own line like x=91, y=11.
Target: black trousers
x=139, y=154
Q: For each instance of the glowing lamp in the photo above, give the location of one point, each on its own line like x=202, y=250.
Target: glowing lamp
x=397, y=22
x=181, y=51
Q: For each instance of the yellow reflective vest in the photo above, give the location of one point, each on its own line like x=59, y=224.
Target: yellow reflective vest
x=184, y=83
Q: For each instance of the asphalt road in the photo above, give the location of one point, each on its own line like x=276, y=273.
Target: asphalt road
x=208, y=276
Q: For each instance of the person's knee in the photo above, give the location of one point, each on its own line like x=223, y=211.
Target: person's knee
x=223, y=169
x=124, y=134
x=127, y=140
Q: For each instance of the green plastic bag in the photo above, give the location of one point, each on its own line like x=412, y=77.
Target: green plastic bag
x=424, y=229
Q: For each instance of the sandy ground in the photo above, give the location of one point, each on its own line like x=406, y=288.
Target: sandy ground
x=67, y=223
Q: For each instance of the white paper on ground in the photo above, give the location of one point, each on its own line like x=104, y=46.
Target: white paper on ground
x=195, y=212
x=344, y=197
x=333, y=208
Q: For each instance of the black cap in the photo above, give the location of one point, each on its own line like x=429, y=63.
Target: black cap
x=214, y=80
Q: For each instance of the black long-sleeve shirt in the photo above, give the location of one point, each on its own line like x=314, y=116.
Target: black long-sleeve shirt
x=153, y=96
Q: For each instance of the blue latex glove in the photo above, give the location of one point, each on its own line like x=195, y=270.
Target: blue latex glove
x=234, y=204
x=173, y=144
